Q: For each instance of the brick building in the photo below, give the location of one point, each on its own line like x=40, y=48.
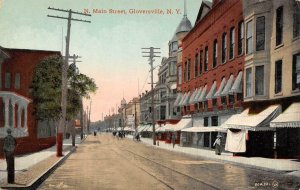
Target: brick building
x=16, y=73
x=211, y=71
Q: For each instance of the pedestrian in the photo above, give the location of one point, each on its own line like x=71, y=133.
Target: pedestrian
x=217, y=145
x=9, y=146
x=173, y=139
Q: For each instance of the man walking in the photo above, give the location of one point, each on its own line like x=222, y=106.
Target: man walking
x=9, y=148
x=217, y=145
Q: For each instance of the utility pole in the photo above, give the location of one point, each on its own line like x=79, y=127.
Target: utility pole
x=59, y=136
x=151, y=55
x=89, y=120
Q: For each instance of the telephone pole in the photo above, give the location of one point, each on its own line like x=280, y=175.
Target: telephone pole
x=151, y=54
x=59, y=136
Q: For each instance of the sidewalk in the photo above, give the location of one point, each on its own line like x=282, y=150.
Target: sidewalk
x=43, y=161
x=285, y=166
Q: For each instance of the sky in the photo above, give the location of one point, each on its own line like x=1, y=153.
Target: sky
x=109, y=46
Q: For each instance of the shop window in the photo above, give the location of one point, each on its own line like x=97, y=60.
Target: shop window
x=231, y=48
x=206, y=59
x=214, y=121
x=205, y=105
x=240, y=37
x=259, y=80
x=296, y=72
x=179, y=71
x=200, y=106
x=249, y=40
x=224, y=46
x=279, y=25
x=215, y=54
x=278, y=76
x=260, y=33
x=248, y=82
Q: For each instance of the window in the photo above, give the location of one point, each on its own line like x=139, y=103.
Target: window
x=231, y=48
x=239, y=97
x=248, y=82
x=196, y=65
x=201, y=59
x=205, y=105
x=223, y=100
x=260, y=33
x=214, y=102
x=240, y=37
x=185, y=72
x=296, y=72
x=206, y=59
x=172, y=68
x=179, y=75
x=189, y=69
x=214, y=121
x=231, y=99
x=224, y=45
x=249, y=42
x=205, y=121
x=17, y=81
x=296, y=24
x=259, y=80
x=175, y=46
x=7, y=80
x=278, y=76
x=162, y=112
x=215, y=54
x=279, y=25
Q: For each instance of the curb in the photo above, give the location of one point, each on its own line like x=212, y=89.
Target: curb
x=39, y=180
x=284, y=172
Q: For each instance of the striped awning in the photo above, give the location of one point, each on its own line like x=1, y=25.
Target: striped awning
x=193, y=96
x=197, y=95
x=178, y=99
x=187, y=99
x=203, y=94
x=289, y=118
x=227, y=86
x=212, y=91
x=237, y=85
x=221, y=87
x=204, y=129
x=253, y=122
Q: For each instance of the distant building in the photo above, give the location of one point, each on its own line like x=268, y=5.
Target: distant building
x=16, y=73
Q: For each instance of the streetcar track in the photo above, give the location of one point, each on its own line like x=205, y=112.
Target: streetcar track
x=150, y=173
x=176, y=171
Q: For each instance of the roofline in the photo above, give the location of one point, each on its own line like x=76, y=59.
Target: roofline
x=31, y=50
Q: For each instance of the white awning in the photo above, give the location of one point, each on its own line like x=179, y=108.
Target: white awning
x=178, y=99
x=253, y=122
x=128, y=129
x=227, y=86
x=237, y=85
x=221, y=87
x=185, y=122
x=119, y=129
x=204, y=129
x=289, y=118
x=193, y=96
x=173, y=86
x=198, y=95
x=203, y=94
x=212, y=91
x=186, y=100
x=150, y=128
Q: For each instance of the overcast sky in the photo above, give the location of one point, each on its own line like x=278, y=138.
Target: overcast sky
x=110, y=45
